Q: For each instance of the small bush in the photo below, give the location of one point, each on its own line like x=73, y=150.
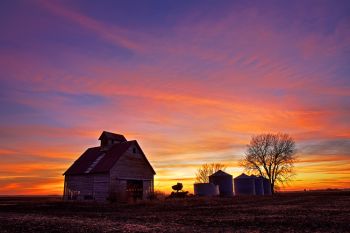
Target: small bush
x=156, y=195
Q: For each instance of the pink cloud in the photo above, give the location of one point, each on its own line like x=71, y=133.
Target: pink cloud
x=110, y=33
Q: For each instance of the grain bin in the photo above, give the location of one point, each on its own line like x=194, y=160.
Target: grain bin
x=206, y=189
x=244, y=185
x=259, y=185
x=224, y=181
x=267, y=187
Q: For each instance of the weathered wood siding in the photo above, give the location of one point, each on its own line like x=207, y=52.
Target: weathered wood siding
x=78, y=185
x=94, y=185
x=147, y=188
x=131, y=166
x=101, y=186
x=118, y=189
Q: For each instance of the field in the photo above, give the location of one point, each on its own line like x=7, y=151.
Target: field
x=287, y=212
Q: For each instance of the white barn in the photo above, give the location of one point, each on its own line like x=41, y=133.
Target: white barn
x=118, y=170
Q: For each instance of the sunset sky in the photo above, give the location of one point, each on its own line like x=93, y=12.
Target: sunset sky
x=191, y=81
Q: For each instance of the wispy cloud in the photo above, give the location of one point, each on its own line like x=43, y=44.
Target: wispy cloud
x=110, y=33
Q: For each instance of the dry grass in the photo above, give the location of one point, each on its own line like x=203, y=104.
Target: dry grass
x=293, y=212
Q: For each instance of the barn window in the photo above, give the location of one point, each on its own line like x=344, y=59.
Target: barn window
x=134, y=150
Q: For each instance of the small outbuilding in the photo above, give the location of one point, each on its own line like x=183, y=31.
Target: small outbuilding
x=116, y=170
x=224, y=181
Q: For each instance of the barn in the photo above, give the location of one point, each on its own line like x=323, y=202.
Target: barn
x=116, y=170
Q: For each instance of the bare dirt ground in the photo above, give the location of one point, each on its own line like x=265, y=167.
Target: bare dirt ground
x=286, y=212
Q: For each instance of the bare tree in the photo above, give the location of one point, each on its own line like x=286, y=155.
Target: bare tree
x=203, y=173
x=271, y=156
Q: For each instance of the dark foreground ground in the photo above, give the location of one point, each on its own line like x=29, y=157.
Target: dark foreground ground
x=292, y=212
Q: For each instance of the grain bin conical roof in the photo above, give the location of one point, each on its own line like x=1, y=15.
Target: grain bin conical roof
x=220, y=173
x=243, y=176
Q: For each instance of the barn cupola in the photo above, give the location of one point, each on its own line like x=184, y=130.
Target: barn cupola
x=108, y=139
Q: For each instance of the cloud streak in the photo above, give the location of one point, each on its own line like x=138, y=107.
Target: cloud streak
x=112, y=34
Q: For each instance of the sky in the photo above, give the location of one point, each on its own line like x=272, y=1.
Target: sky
x=191, y=81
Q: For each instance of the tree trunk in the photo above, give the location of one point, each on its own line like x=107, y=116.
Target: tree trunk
x=272, y=188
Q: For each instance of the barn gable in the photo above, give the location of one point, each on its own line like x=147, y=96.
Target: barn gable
x=133, y=161
x=132, y=175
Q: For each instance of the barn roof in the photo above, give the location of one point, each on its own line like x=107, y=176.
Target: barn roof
x=220, y=173
x=93, y=160
x=113, y=136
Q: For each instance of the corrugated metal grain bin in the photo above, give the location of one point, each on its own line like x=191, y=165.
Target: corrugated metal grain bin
x=267, y=187
x=244, y=185
x=206, y=189
x=224, y=181
x=259, y=185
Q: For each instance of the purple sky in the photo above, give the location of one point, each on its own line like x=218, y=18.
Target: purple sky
x=192, y=81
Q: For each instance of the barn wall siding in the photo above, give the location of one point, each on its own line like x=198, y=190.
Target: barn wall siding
x=147, y=188
x=101, y=187
x=79, y=186
x=85, y=186
x=117, y=189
